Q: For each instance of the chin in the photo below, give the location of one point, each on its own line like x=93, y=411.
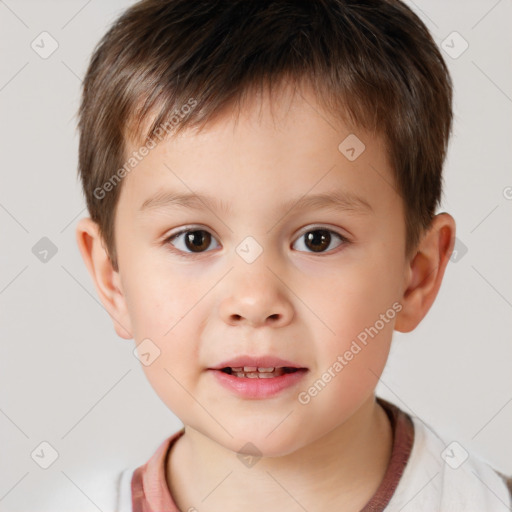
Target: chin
x=264, y=436
x=261, y=447
x=263, y=441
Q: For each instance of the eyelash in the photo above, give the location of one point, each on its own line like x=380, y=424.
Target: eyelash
x=184, y=254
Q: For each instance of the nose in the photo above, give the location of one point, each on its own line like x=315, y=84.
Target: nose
x=256, y=297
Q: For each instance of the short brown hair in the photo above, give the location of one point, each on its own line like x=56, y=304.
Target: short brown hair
x=372, y=62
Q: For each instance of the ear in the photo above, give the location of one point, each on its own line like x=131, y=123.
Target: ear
x=425, y=272
x=106, y=280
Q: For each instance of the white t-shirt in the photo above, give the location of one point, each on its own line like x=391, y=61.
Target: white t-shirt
x=438, y=477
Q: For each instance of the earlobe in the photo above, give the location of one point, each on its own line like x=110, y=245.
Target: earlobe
x=425, y=272
x=106, y=281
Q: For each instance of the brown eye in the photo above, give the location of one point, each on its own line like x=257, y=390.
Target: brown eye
x=319, y=240
x=197, y=241
x=192, y=241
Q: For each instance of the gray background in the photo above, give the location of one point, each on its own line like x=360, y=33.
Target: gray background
x=65, y=376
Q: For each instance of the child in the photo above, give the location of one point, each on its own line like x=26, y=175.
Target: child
x=262, y=178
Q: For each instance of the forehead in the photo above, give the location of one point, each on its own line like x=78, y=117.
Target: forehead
x=283, y=146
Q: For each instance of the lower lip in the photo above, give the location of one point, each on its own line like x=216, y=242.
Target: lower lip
x=258, y=388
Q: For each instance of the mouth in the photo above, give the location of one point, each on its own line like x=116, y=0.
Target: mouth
x=255, y=372
x=257, y=367
x=262, y=377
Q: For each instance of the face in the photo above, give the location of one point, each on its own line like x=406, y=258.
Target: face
x=263, y=272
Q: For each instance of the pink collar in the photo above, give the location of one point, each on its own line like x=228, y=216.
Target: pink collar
x=151, y=494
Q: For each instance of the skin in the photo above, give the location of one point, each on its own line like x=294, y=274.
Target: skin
x=291, y=302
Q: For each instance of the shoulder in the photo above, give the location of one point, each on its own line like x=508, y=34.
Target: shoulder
x=88, y=491
x=124, y=491
x=113, y=492
x=442, y=475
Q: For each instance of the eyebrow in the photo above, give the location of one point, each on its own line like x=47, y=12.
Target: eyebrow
x=337, y=200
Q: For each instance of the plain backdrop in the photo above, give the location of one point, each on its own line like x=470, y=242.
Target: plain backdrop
x=67, y=379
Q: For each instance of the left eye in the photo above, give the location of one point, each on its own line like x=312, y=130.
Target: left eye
x=198, y=240
x=319, y=239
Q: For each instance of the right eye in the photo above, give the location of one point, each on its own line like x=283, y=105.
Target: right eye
x=191, y=240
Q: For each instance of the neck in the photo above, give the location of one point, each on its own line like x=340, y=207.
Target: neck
x=344, y=468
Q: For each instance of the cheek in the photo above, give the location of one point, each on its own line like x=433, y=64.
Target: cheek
x=159, y=319
x=158, y=299
x=163, y=326
x=349, y=368
x=357, y=307
x=353, y=298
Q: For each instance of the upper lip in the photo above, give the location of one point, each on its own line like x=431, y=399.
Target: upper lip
x=257, y=361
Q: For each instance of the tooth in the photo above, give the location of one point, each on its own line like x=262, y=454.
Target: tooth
x=250, y=368
x=266, y=369
x=266, y=375
x=239, y=374
x=252, y=375
x=237, y=368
